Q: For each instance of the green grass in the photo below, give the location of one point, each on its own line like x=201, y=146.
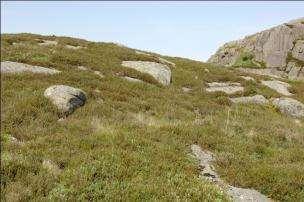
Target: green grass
x=131, y=141
x=246, y=60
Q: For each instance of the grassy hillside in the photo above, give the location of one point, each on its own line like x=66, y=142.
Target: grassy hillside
x=130, y=141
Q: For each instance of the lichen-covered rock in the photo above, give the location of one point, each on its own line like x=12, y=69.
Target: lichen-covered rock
x=289, y=106
x=160, y=72
x=65, y=98
x=228, y=87
x=270, y=48
x=279, y=86
x=16, y=67
x=256, y=99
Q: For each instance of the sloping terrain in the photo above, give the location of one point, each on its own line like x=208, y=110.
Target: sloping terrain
x=281, y=47
x=131, y=138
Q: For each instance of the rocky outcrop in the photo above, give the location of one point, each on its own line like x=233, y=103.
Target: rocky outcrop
x=289, y=107
x=272, y=48
x=256, y=99
x=16, y=67
x=65, y=98
x=207, y=171
x=228, y=87
x=160, y=72
x=279, y=86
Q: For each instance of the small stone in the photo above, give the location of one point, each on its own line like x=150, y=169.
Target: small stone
x=228, y=87
x=186, y=89
x=51, y=167
x=247, y=78
x=82, y=68
x=99, y=74
x=257, y=99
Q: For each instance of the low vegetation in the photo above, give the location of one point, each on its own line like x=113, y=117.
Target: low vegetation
x=130, y=141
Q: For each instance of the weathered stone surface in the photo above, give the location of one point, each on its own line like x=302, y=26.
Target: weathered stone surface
x=207, y=171
x=247, y=78
x=289, y=106
x=246, y=195
x=298, y=50
x=256, y=99
x=66, y=98
x=16, y=67
x=269, y=48
x=294, y=71
x=279, y=86
x=228, y=87
x=48, y=43
x=160, y=72
x=132, y=79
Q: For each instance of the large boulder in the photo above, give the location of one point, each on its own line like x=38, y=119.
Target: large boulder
x=66, y=98
x=16, y=67
x=289, y=106
x=279, y=86
x=272, y=48
x=160, y=72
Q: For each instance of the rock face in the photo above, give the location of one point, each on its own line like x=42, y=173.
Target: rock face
x=272, y=48
x=289, y=106
x=208, y=172
x=160, y=72
x=66, y=98
x=257, y=99
x=228, y=88
x=279, y=86
x=16, y=67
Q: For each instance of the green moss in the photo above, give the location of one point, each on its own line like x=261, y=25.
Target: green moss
x=246, y=60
